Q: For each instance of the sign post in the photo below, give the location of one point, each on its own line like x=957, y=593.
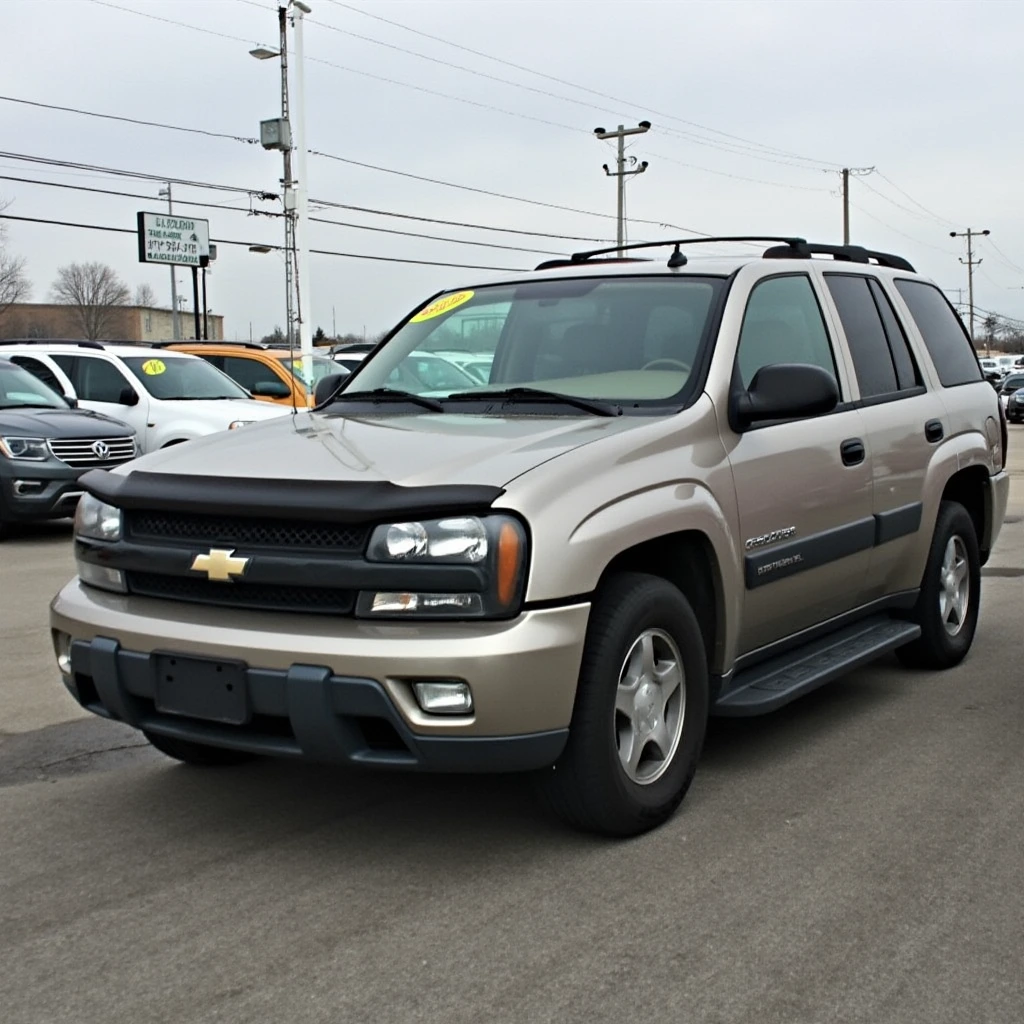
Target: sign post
x=177, y=241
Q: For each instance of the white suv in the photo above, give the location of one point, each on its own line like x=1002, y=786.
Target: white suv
x=167, y=397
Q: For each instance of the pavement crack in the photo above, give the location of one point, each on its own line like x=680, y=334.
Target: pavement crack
x=91, y=753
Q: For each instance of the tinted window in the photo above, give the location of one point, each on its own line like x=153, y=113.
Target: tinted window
x=39, y=370
x=862, y=325
x=783, y=324
x=944, y=335
x=903, y=359
x=182, y=376
x=250, y=372
x=96, y=380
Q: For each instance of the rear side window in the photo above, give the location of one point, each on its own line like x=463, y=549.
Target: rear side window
x=40, y=371
x=96, y=380
x=944, y=335
x=865, y=335
x=907, y=375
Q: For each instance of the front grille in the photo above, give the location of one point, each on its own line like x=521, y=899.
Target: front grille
x=94, y=451
x=239, y=531
x=266, y=597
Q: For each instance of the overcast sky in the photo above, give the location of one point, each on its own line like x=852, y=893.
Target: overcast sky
x=755, y=106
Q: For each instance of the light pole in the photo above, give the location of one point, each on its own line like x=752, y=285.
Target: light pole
x=175, y=324
x=970, y=234
x=305, y=308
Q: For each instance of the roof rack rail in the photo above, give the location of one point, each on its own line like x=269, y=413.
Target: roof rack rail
x=204, y=341
x=798, y=249
x=572, y=262
x=81, y=343
x=582, y=257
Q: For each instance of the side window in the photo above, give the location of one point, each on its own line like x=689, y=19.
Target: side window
x=862, y=325
x=97, y=380
x=907, y=375
x=944, y=335
x=40, y=371
x=67, y=364
x=783, y=324
x=249, y=372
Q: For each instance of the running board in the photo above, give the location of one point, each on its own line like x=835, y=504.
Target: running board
x=779, y=680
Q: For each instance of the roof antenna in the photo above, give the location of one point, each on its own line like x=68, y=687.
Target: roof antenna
x=677, y=259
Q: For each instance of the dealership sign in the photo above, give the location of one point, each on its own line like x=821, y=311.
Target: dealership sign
x=179, y=241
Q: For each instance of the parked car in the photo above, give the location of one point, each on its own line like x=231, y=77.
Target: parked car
x=477, y=364
x=1010, y=383
x=348, y=361
x=1015, y=407
x=690, y=487
x=165, y=397
x=269, y=374
x=46, y=445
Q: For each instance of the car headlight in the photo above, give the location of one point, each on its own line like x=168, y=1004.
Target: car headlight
x=235, y=424
x=495, y=546
x=96, y=520
x=28, y=448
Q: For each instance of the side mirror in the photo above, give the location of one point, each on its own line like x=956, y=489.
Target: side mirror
x=327, y=386
x=128, y=397
x=784, y=391
x=272, y=389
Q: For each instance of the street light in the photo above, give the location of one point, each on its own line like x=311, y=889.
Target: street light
x=262, y=53
x=261, y=248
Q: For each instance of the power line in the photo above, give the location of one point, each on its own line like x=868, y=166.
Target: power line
x=900, y=206
x=877, y=220
x=581, y=88
x=265, y=213
x=265, y=246
x=738, y=177
x=907, y=195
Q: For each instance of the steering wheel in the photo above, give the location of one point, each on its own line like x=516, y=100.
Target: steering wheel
x=676, y=364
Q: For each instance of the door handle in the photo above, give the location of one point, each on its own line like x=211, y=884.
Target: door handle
x=933, y=431
x=852, y=451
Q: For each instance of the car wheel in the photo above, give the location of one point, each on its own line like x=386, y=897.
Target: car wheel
x=947, y=606
x=640, y=714
x=196, y=753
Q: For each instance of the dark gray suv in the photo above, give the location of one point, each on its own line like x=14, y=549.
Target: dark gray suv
x=46, y=445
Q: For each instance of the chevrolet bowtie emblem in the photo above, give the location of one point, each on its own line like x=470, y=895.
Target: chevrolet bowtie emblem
x=219, y=565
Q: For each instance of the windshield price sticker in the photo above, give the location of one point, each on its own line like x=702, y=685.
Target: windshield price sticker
x=179, y=241
x=443, y=305
x=153, y=367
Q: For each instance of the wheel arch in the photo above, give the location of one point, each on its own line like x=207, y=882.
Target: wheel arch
x=969, y=487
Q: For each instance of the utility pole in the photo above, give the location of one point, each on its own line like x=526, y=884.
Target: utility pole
x=970, y=263
x=621, y=173
x=305, y=309
x=846, y=172
x=287, y=186
x=175, y=324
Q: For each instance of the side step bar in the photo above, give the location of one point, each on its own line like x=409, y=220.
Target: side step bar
x=773, y=683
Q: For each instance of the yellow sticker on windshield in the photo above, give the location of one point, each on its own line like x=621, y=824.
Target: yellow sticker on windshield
x=153, y=367
x=443, y=305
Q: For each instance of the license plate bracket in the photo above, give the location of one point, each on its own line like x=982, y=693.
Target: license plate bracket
x=206, y=688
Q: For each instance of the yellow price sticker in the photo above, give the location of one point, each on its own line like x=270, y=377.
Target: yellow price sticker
x=154, y=367
x=440, y=306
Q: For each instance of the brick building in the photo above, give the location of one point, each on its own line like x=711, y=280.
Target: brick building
x=127, y=323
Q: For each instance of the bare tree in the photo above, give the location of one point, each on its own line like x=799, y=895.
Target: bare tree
x=144, y=295
x=94, y=292
x=14, y=285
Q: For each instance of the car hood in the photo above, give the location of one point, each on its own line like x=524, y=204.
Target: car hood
x=408, y=450
x=52, y=423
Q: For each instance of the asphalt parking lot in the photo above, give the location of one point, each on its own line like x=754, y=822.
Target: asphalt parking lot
x=854, y=858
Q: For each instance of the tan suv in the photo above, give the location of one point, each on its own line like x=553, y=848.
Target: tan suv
x=689, y=487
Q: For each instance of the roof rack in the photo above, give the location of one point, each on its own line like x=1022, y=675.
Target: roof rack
x=554, y=264
x=55, y=341
x=204, y=341
x=801, y=250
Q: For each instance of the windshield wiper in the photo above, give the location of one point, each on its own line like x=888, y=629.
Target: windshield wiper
x=33, y=405
x=389, y=395
x=509, y=395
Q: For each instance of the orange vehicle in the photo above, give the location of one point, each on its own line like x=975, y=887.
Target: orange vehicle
x=267, y=373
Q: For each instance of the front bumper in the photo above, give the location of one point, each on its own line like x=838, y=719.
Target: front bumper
x=53, y=494
x=337, y=689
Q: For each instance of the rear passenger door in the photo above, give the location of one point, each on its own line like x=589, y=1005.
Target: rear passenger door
x=803, y=487
x=102, y=387
x=903, y=425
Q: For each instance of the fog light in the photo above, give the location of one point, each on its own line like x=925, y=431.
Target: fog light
x=24, y=487
x=448, y=698
x=62, y=648
x=389, y=603
x=102, y=577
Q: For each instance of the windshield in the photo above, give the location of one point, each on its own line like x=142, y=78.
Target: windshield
x=621, y=339
x=321, y=368
x=20, y=389
x=183, y=377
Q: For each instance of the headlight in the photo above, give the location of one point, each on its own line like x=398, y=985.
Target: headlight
x=491, y=548
x=462, y=540
x=235, y=424
x=95, y=520
x=29, y=448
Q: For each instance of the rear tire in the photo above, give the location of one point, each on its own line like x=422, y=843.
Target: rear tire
x=947, y=607
x=641, y=711
x=198, y=754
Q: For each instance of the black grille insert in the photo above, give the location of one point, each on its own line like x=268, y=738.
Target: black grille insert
x=268, y=597
x=192, y=529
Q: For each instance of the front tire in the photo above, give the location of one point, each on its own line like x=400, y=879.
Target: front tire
x=947, y=607
x=198, y=754
x=641, y=711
